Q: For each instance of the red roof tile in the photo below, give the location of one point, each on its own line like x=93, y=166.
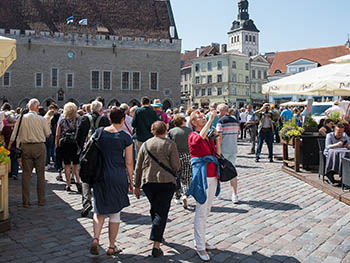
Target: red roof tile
x=132, y=18
x=189, y=55
x=319, y=55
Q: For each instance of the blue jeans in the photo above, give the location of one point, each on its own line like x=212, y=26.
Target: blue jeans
x=14, y=166
x=50, y=149
x=267, y=136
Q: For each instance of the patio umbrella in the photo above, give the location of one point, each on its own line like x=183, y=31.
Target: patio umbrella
x=329, y=80
x=7, y=53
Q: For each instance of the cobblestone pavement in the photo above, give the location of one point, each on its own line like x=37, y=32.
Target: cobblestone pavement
x=278, y=219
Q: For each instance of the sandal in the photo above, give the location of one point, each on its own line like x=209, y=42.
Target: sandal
x=94, y=247
x=114, y=250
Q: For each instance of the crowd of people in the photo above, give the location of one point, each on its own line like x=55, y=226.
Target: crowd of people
x=162, y=153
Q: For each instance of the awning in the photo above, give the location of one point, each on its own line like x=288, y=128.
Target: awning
x=7, y=53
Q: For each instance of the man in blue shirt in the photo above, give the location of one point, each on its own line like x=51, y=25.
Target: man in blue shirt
x=286, y=114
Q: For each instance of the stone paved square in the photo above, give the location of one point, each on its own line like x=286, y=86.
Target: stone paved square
x=278, y=219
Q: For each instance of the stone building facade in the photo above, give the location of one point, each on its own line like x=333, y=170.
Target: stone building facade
x=110, y=57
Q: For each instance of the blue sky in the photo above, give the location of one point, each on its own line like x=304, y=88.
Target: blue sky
x=283, y=24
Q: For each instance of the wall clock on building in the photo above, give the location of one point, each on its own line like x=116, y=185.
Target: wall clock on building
x=70, y=55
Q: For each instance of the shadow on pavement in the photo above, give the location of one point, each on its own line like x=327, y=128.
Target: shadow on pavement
x=271, y=205
x=219, y=209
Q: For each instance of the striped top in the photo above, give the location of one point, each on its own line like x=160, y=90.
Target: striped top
x=229, y=127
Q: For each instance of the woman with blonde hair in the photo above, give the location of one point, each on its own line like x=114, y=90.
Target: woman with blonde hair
x=66, y=139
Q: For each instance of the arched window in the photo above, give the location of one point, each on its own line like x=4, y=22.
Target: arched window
x=134, y=102
x=277, y=71
x=114, y=102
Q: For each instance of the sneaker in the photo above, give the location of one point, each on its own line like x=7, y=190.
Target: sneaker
x=68, y=189
x=271, y=160
x=256, y=160
x=204, y=257
x=234, y=199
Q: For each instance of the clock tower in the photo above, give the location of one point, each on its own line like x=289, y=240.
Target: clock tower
x=244, y=35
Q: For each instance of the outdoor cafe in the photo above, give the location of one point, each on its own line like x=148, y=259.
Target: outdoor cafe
x=323, y=159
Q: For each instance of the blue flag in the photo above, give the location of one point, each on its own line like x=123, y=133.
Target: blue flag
x=83, y=22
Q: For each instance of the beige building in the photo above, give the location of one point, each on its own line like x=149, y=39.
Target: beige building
x=235, y=76
x=230, y=77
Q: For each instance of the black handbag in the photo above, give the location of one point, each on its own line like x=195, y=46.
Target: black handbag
x=227, y=169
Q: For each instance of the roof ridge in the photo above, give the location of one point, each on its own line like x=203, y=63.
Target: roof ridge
x=297, y=50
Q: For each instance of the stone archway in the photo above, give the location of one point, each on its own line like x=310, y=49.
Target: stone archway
x=23, y=103
x=166, y=105
x=47, y=102
x=134, y=102
x=114, y=102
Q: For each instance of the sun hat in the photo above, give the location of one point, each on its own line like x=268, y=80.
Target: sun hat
x=157, y=103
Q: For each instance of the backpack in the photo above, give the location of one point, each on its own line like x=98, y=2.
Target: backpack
x=91, y=160
x=70, y=136
x=159, y=116
x=93, y=126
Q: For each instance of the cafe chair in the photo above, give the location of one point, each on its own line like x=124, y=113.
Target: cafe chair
x=322, y=166
x=345, y=180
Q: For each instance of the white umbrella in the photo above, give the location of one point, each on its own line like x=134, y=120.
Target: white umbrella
x=7, y=53
x=294, y=103
x=329, y=80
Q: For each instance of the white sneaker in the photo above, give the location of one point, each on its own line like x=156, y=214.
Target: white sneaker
x=234, y=199
x=204, y=257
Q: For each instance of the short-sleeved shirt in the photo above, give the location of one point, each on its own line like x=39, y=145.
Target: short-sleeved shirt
x=251, y=117
x=163, y=115
x=229, y=128
x=180, y=136
x=199, y=147
x=243, y=116
x=68, y=125
x=287, y=115
x=335, y=109
x=331, y=139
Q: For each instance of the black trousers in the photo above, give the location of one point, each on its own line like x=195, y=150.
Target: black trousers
x=159, y=195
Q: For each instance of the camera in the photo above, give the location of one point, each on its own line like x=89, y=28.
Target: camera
x=212, y=135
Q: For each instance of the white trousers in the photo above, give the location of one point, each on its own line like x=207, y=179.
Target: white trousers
x=202, y=212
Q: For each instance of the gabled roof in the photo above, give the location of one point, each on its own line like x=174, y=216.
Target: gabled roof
x=203, y=52
x=132, y=18
x=320, y=55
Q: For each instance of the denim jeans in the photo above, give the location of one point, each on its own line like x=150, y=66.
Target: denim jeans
x=267, y=136
x=50, y=149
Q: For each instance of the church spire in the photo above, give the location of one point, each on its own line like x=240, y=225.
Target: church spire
x=243, y=14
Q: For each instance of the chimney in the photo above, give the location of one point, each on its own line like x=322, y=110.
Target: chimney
x=223, y=48
x=199, y=52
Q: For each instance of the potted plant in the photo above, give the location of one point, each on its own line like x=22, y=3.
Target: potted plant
x=290, y=131
x=310, y=125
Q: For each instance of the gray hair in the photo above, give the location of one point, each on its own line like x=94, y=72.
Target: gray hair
x=222, y=107
x=33, y=102
x=96, y=106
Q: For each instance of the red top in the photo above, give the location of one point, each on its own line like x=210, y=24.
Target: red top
x=200, y=148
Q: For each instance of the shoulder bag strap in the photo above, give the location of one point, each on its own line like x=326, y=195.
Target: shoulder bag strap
x=212, y=150
x=19, y=126
x=97, y=123
x=158, y=162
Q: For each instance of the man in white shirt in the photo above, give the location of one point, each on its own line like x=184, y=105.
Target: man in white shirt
x=243, y=116
x=334, y=109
